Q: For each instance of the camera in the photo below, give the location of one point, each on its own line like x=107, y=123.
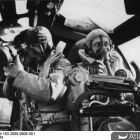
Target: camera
x=8, y=54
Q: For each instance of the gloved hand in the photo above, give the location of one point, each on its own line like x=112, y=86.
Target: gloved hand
x=14, y=68
x=99, y=67
x=54, y=57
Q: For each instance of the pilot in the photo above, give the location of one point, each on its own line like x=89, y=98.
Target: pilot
x=95, y=54
x=96, y=49
x=48, y=87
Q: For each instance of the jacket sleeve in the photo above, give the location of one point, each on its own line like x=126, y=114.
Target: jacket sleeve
x=73, y=55
x=40, y=88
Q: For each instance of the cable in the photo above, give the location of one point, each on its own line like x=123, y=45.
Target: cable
x=101, y=103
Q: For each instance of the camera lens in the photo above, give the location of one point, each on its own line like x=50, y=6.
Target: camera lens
x=3, y=61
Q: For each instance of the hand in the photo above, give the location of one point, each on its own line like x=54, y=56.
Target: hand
x=85, y=57
x=53, y=57
x=46, y=66
x=100, y=67
x=13, y=69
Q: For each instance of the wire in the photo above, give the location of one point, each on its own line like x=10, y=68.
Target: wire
x=101, y=103
x=24, y=110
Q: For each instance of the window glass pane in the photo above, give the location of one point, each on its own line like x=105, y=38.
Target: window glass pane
x=21, y=9
x=21, y=6
x=131, y=50
x=105, y=13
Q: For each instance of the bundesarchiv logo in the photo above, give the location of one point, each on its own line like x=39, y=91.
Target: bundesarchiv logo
x=125, y=136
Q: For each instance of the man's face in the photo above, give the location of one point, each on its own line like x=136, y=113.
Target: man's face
x=33, y=56
x=98, y=44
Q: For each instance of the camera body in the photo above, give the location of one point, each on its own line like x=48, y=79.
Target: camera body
x=8, y=54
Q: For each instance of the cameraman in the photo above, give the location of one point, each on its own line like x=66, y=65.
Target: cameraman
x=48, y=87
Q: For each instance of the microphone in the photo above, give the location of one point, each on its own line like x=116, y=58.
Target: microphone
x=103, y=54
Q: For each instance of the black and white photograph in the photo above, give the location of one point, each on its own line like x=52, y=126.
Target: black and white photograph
x=70, y=65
